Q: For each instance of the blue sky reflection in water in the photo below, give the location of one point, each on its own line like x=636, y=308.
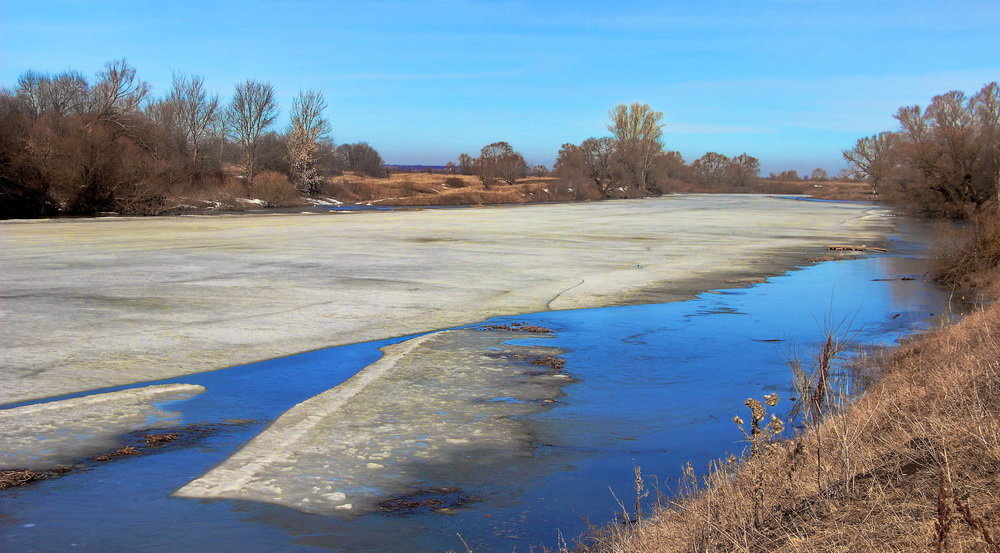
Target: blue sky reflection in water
x=658, y=385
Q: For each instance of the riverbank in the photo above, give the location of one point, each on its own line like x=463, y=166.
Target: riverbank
x=416, y=190
x=90, y=303
x=912, y=465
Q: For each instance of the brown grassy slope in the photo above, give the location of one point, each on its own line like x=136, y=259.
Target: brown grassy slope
x=825, y=190
x=442, y=189
x=226, y=191
x=912, y=465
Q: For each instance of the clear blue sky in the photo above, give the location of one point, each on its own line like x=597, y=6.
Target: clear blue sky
x=791, y=82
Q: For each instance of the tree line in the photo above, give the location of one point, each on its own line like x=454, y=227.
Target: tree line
x=942, y=160
x=70, y=144
x=629, y=163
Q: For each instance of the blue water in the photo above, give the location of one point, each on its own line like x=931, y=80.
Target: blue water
x=656, y=385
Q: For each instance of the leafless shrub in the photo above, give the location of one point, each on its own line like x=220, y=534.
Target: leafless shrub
x=274, y=189
x=966, y=256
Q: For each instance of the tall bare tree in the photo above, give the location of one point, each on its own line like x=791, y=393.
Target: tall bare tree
x=65, y=94
x=252, y=110
x=306, y=132
x=599, y=156
x=466, y=164
x=985, y=106
x=639, y=133
x=819, y=174
x=117, y=94
x=872, y=158
x=744, y=169
x=711, y=168
x=498, y=161
x=195, y=112
x=362, y=159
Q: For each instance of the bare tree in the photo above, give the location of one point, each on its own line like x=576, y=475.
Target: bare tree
x=252, y=110
x=599, y=155
x=819, y=174
x=711, y=168
x=639, y=133
x=362, y=159
x=195, y=112
x=744, y=169
x=985, y=106
x=118, y=93
x=538, y=171
x=30, y=90
x=499, y=161
x=68, y=93
x=466, y=164
x=65, y=94
x=306, y=132
x=790, y=175
x=872, y=158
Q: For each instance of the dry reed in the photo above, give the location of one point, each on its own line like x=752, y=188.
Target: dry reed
x=877, y=483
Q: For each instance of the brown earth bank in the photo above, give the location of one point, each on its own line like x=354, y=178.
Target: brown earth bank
x=443, y=189
x=912, y=465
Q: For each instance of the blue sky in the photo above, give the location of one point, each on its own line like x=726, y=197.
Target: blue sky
x=791, y=82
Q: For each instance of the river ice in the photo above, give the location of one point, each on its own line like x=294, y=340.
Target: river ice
x=431, y=404
x=44, y=435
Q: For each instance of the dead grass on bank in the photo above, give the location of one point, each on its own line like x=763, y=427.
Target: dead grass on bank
x=836, y=190
x=226, y=192
x=968, y=256
x=912, y=465
x=825, y=190
x=426, y=189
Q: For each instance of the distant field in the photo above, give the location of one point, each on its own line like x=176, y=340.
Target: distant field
x=450, y=189
x=434, y=188
x=445, y=189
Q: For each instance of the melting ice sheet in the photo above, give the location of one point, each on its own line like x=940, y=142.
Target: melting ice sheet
x=44, y=435
x=654, y=385
x=438, y=408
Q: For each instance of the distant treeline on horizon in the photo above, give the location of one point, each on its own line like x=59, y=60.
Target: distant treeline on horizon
x=70, y=144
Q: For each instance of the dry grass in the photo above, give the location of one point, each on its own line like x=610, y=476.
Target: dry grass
x=968, y=256
x=423, y=189
x=226, y=192
x=353, y=188
x=126, y=451
x=912, y=465
x=555, y=363
x=519, y=327
x=274, y=189
x=834, y=190
x=22, y=477
x=826, y=190
x=154, y=440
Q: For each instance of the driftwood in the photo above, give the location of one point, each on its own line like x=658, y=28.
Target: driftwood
x=851, y=248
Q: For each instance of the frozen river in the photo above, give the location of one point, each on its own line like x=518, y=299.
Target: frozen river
x=351, y=449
